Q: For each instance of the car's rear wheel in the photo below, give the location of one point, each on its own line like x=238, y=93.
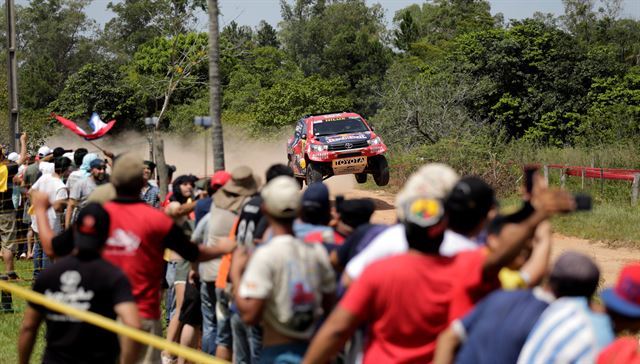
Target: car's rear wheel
x=314, y=173
x=361, y=178
x=380, y=168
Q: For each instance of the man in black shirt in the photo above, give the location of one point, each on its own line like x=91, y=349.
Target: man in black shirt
x=87, y=282
x=8, y=224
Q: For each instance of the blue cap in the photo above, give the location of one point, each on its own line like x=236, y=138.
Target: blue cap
x=97, y=163
x=316, y=197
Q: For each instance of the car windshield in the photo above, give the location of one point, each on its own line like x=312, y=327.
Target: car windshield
x=339, y=126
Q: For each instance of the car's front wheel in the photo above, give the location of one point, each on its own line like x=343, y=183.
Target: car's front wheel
x=361, y=178
x=314, y=173
x=380, y=168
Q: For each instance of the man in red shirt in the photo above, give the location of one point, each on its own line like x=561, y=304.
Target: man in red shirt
x=138, y=236
x=406, y=299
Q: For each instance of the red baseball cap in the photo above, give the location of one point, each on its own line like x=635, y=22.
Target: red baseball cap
x=624, y=298
x=220, y=178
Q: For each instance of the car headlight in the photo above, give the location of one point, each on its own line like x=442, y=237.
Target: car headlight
x=319, y=147
x=375, y=141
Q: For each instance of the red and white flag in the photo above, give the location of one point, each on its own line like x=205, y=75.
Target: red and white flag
x=99, y=128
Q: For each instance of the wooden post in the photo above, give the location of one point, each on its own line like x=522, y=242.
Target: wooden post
x=545, y=172
x=634, y=189
x=601, y=181
x=583, y=173
x=563, y=178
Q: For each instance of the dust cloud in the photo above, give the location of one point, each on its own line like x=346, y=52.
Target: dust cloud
x=187, y=153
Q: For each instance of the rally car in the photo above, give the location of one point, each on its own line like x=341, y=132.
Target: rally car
x=325, y=145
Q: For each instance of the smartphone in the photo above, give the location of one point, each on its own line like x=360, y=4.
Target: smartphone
x=528, y=177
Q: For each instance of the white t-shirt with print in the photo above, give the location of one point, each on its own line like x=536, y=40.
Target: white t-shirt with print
x=56, y=190
x=292, y=277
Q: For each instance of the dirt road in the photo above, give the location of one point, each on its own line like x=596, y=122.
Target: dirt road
x=609, y=259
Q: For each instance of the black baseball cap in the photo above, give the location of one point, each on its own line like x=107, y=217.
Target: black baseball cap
x=91, y=229
x=59, y=152
x=469, y=203
x=356, y=212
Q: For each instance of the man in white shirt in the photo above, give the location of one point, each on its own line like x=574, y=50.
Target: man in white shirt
x=52, y=185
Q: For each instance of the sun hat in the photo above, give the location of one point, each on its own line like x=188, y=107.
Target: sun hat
x=281, y=197
x=242, y=182
x=624, y=298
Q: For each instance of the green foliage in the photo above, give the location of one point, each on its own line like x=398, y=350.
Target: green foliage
x=289, y=99
x=102, y=88
x=338, y=39
x=54, y=44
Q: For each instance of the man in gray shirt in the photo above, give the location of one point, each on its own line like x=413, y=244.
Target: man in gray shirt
x=82, y=189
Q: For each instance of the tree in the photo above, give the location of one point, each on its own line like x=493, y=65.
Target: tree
x=407, y=32
x=54, y=41
x=289, y=99
x=343, y=39
x=266, y=35
x=215, y=87
x=421, y=107
x=140, y=21
x=102, y=88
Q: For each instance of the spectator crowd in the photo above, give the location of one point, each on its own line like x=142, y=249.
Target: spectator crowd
x=254, y=272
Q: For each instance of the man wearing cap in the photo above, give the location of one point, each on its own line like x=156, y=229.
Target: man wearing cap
x=252, y=224
x=286, y=284
x=433, y=180
x=226, y=204
x=622, y=303
x=8, y=223
x=87, y=282
x=150, y=193
x=315, y=213
x=497, y=328
x=81, y=190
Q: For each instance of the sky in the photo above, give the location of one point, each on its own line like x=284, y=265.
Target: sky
x=250, y=12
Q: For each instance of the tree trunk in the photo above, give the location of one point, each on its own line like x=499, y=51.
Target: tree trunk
x=161, y=165
x=215, y=87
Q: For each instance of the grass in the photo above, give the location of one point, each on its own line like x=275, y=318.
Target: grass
x=10, y=322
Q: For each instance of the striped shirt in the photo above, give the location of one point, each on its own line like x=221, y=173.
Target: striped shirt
x=567, y=332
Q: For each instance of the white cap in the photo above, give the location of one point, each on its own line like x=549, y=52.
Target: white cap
x=281, y=197
x=13, y=156
x=44, y=151
x=433, y=180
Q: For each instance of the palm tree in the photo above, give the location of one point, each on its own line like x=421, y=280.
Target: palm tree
x=215, y=87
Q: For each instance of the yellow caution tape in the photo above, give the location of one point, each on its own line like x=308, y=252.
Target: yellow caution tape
x=192, y=355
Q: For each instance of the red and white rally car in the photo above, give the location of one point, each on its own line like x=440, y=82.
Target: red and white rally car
x=326, y=145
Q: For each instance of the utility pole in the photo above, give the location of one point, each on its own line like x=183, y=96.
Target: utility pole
x=12, y=80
